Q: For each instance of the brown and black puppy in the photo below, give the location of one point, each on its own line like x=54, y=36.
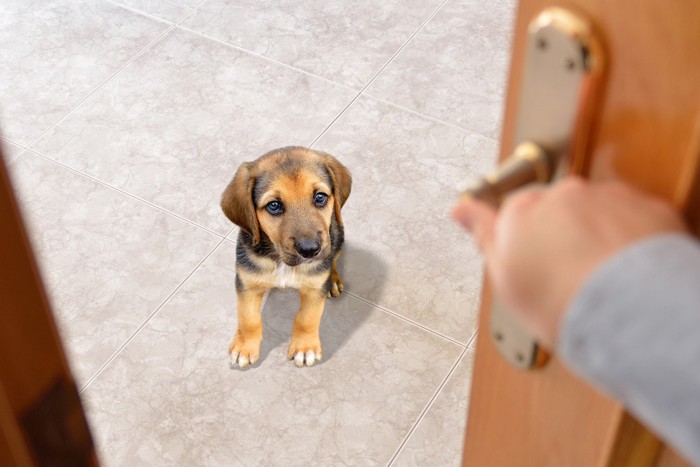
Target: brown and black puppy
x=287, y=205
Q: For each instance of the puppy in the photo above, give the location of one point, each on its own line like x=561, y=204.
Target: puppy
x=287, y=204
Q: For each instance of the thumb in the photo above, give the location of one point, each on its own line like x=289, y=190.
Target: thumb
x=479, y=219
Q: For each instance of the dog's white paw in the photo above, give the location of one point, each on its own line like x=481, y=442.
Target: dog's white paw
x=304, y=349
x=242, y=360
x=336, y=285
x=244, y=351
x=308, y=358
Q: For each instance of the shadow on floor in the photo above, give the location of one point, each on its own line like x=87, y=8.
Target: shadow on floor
x=342, y=316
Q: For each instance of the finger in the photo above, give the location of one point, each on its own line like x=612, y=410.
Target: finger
x=524, y=198
x=478, y=218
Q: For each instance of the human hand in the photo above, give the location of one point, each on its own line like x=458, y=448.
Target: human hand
x=544, y=242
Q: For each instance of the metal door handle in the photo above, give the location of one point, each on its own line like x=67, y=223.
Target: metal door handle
x=563, y=67
x=529, y=163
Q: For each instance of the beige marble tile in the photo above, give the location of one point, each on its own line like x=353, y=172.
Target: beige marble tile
x=438, y=439
x=175, y=124
x=168, y=10
x=10, y=151
x=54, y=53
x=472, y=344
x=107, y=259
x=346, y=42
x=170, y=397
x=455, y=69
x=403, y=250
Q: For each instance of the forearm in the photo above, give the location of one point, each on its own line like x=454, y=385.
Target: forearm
x=634, y=331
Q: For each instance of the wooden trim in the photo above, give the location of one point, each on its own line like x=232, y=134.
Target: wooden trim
x=632, y=444
x=41, y=416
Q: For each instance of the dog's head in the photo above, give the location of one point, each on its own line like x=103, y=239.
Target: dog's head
x=292, y=196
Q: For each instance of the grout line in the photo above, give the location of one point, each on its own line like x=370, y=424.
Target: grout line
x=142, y=13
x=5, y=143
x=9, y=141
x=408, y=41
x=263, y=57
x=325, y=130
x=414, y=323
x=158, y=308
x=376, y=75
x=471, y=340
x=98, y=88
x=284, y=65
x=170, y=27
x=119, y=190
x=189, y=13
x=427, y=408
x=428, y=117
x=8, y=162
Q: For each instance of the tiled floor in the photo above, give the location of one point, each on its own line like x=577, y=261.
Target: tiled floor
x=122, y=123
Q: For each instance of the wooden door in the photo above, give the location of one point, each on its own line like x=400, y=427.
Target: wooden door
x=41, y=417
x=646, y=130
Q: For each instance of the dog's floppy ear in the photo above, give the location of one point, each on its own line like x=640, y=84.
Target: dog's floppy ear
x=342, y=182
x=237, y=201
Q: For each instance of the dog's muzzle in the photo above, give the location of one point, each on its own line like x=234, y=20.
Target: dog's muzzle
x=307, y=248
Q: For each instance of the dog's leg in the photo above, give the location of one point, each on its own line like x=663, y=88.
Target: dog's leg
x=305, y=345
x=244, y=349
x=336, y=282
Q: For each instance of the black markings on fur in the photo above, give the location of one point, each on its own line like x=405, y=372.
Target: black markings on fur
x=290, y=163
x=291, y=160
x=243, y=259
x=245, y=249
x=262, y=184
x=327, y=286
x=323, y=266
x=337, y=234
x=329, y=181
x=239, y=284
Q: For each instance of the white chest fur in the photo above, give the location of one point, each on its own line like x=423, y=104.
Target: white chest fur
x=286, y=276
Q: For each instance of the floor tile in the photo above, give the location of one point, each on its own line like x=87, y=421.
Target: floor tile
x=455, y=69
x=346, y=42
x=54, y=53
x=10, y=151
x=403, y=250
x=169, y=10
x=175, y=124
x=108, y=260
x=438, y=440
x=170, y=398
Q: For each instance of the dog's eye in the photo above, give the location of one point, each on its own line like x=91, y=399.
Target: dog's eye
x=274, y=207
x=320, y=199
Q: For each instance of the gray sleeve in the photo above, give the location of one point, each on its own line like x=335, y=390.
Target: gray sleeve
x=634, y=332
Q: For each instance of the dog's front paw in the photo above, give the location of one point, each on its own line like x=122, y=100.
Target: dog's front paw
x=244, y=350
x=305, y=350
x=336, y=285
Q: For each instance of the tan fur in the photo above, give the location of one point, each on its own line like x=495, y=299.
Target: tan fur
x=248, y=336
x=305, y=330
x=291, y=176
x=299, y=220
x=336, y=282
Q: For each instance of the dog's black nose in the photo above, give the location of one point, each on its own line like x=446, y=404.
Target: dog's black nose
x=307, y=248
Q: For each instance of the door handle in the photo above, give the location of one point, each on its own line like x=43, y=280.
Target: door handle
x=559, y=87
x=529, y=163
